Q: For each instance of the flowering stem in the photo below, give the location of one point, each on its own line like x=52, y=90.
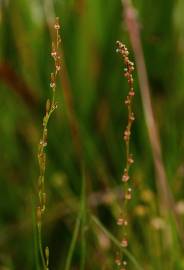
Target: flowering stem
x=122, y=220
x=50, y=108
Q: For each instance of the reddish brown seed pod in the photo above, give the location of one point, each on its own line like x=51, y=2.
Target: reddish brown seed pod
x=125, y=176
x=124, y=243
x=128, y=194
x=132, y=93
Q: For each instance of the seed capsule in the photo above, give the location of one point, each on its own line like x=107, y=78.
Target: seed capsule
x=58, y=67
x=130, y=160
x=132, y=117
x=128, y=195
x=126, y=135
x=118, y=261
x=127, y=100
x=120, y=221
x=125, y=176
x=132, y=93
x=124, y=243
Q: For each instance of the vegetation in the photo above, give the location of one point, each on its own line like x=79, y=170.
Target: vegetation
x=85, y=154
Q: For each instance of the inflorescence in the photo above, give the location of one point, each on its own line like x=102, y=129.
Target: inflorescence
x=123, y=219
x=50, y=108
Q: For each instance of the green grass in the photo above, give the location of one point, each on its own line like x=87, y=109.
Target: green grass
x=89, y=31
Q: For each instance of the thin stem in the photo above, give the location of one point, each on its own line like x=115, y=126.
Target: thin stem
x=50, y=108
x=73, y=243
x=122, y=220
x=40, y=246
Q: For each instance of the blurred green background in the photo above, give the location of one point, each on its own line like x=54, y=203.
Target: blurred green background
x=88, y=126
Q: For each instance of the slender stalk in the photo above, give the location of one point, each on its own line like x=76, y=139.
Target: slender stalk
x=167, y=203
x=40, y=246
x=73, y=242
x=123, y=217
x=80, y=222
x=83, y=222
x=50, y=108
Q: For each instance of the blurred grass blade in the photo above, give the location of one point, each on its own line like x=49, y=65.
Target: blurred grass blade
x=116, y=242
x=73, y=242
x=81, y=221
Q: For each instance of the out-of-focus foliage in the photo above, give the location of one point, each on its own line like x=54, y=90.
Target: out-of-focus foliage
x=97, y=89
